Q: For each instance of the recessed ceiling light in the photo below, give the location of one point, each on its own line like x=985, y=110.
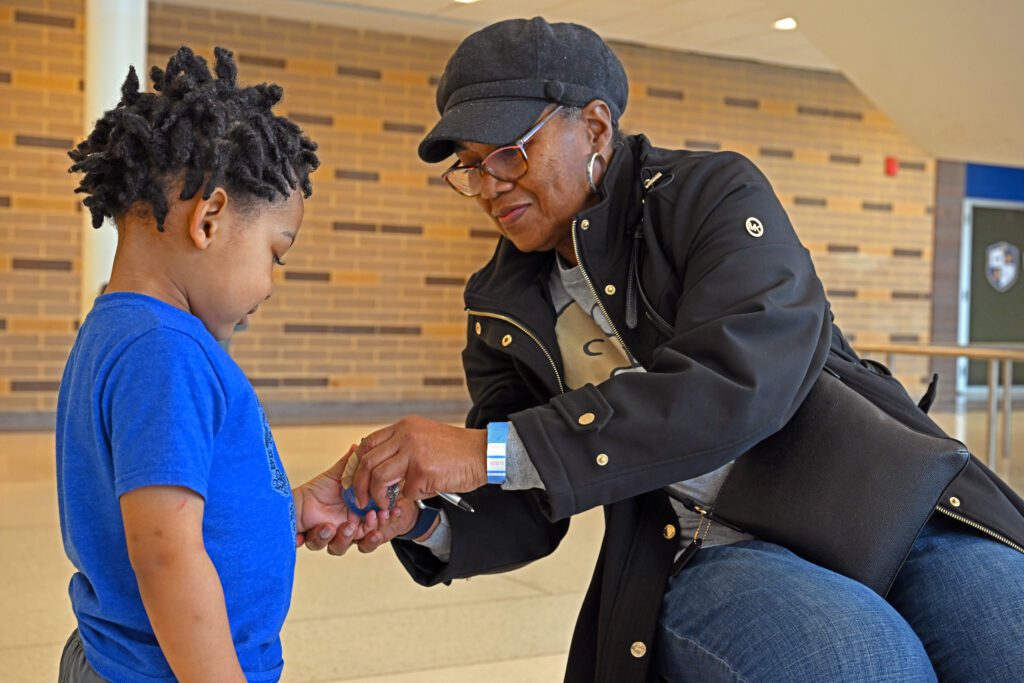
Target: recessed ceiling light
x=787, y=24
x=466, y=2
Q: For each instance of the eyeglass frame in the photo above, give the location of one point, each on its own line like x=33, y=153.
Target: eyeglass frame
x=519, y=145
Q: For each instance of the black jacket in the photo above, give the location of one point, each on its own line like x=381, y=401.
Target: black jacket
x=708, y=286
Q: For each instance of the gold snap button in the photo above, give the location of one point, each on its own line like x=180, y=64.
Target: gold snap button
x=506, y=340
x=602, y=459
x=638, y=649
x=609, y=290
x=669, y=531
x=479, y=328
x=585, y=224
x=954, y=501
x=586, y=418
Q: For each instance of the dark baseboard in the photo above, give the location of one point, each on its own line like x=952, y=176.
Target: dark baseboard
x=282, y=413
x=34, y=421
x=350, y=412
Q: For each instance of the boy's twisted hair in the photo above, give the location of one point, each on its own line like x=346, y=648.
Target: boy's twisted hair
x=194, y=124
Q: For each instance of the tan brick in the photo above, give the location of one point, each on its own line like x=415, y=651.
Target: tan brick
x=23, y=203
x=26, y=79
x=403, y=77
x=350, y=381
x=445, y=232
x=355, y=277
x=357, y=124
x=873, y=294
x=311, y=67
x=777, y=106
x=810, y=156
x=38, y=325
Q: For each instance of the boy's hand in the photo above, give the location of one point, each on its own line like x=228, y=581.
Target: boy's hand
x=323, y=520
x=320, y=509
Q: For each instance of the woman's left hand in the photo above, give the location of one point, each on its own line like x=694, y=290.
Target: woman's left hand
x=429, y=456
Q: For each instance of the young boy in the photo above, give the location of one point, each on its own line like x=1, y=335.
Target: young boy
x=174, y=507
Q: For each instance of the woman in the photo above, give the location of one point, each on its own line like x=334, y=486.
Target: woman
x=648, y=316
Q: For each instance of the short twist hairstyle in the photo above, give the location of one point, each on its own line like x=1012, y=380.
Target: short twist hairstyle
x=196, y=126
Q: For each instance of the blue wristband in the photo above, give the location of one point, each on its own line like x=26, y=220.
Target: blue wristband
x=422, y=526
x=497, y=452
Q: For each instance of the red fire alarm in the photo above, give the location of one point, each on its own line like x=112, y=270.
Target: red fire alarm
x=892, y=166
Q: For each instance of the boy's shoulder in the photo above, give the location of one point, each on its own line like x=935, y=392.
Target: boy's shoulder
x=135, y=329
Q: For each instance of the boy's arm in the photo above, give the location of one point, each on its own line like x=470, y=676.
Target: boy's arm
x=179, y=585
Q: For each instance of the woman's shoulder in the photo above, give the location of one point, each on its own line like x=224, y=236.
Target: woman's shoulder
x=695, y=163
x=695, y=177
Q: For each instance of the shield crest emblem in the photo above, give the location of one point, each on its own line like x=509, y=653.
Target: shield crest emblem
x=1002, y=265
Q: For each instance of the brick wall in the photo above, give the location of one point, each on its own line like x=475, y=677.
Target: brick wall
x=368, y=314
x=41, y=99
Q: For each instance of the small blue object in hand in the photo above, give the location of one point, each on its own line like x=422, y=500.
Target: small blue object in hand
x=350, y=501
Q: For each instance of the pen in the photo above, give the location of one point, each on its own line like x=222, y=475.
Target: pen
x=456, y=500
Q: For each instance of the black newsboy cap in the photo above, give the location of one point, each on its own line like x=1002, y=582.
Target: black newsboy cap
x=501, y=78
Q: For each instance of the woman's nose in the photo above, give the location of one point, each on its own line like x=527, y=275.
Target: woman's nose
x=491, y=187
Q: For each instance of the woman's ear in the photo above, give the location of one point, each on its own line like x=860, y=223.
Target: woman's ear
x=598, y=119
x=206, y=218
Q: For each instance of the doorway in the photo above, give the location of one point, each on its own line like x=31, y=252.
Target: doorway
x=991, y=286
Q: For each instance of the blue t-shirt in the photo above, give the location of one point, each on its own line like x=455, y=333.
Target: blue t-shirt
x=149, y=398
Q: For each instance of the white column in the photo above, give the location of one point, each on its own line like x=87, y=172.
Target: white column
x=115, y=37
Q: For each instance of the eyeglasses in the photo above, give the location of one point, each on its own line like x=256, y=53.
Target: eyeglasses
x=505, y=163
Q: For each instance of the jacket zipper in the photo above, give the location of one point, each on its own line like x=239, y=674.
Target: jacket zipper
x=530, y=334
x=590, y=284
x=980, y=527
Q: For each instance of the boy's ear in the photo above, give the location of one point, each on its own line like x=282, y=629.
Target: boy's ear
x=206, y=219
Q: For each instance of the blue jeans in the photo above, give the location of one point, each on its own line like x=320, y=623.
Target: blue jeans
x=754, y=611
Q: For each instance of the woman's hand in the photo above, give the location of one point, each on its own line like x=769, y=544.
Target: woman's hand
x=429, y=456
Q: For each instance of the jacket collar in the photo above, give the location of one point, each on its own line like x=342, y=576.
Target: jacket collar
x=507, y=283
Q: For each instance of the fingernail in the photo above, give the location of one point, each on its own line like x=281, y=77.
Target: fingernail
x=326, y=533
x=348, y=531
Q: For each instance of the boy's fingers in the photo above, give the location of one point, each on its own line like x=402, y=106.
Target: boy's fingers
x=339, y=545
x=319, y=536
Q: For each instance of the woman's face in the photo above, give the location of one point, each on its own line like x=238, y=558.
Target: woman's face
x=535, y=212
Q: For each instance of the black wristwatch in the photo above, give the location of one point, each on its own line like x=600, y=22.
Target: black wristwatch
x=423, y=524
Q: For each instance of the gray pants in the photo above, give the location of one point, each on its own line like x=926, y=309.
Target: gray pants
x=73, y=666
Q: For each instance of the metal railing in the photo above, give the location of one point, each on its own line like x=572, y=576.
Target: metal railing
x=996, y=356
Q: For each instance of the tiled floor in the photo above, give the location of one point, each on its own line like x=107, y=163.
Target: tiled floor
x=357, y=618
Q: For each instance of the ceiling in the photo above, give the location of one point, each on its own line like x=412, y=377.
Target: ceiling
x=946, y=71
x=732, y=28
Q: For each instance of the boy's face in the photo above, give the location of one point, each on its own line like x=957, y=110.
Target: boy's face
x=233, y=273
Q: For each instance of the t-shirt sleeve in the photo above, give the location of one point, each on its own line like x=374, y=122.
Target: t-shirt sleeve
x=163, y=406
